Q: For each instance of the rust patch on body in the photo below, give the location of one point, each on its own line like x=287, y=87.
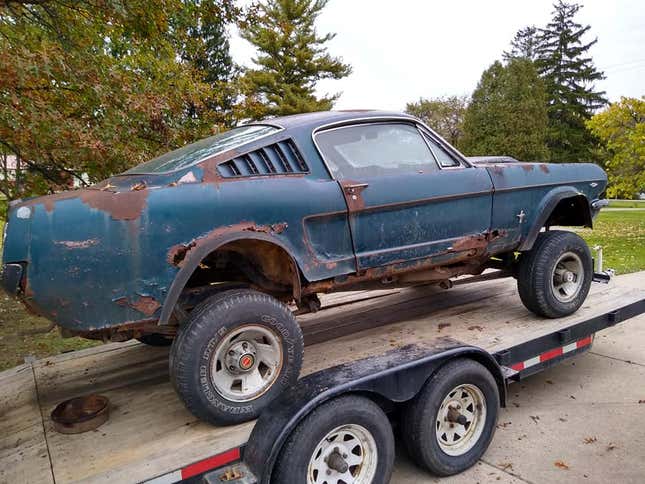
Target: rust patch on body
x=177, y=254
x=527, y=166
x=78, y=244
x=544, y=168
x=119, y=205
x=353, y=192
x=477, y=241
x=145, y=304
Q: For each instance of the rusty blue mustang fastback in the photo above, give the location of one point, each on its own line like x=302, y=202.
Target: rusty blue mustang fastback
x=207, y=246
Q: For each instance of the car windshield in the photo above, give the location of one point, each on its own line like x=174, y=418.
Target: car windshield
x=200, y=150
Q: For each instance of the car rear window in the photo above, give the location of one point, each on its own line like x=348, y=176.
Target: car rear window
x=200, y=150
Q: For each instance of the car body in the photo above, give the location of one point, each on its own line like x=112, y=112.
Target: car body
x=278, y=206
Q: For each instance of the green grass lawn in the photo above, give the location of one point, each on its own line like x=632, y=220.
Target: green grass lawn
x=627, y=204
x=621, y=233
x=622, y=237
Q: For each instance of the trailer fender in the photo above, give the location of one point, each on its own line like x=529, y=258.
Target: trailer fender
x=396, y=376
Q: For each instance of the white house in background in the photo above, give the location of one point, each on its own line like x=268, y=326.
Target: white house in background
x=9, y=165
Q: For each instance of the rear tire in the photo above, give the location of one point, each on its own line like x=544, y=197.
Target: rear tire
x=237, y=352
x=555, y=275
x=440, y=446
x=349, y=433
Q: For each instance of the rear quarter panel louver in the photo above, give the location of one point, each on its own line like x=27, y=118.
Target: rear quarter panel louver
x=281, y=158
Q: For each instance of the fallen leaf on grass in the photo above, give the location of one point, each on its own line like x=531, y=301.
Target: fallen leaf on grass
x=506, y=466
x=561, y=465
x=590, y=440
x=611, y=446
x=442, y=325
x=475, y=327
x=503, y=424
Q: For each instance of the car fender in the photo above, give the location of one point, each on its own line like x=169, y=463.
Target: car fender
x=197, y=255
x=544, y=211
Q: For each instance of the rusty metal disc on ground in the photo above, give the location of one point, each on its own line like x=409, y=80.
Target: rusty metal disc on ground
x=80, y=414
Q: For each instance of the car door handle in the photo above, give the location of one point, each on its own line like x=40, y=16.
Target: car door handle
x=355, y=187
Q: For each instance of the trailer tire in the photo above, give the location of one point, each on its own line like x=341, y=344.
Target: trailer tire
x=556, y=274
x=238, y=351
x=348, y=427
x=155, y=339
x=466, y=386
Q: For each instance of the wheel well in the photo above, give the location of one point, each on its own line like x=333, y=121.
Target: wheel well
x=571, y=211
x=251, y=262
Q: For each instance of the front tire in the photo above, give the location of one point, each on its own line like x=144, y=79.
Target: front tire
x=238, y=351
x=555, y=275
x=348, y=439
x=448, y=426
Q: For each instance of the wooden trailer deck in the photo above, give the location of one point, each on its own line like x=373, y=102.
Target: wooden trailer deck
x=150, y=433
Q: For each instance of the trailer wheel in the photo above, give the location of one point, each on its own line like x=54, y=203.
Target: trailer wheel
x=555, y=275
x=154, y=339
x=238, y=351
x=346, y=440
x=448, y=426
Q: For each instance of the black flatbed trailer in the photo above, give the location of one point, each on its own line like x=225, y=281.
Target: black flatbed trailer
x=376, y=345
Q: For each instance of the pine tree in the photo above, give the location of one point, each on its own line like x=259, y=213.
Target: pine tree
x=507, y=113
x=569, y=73
x=524, y=44
x=291, y=58
x=199, y=29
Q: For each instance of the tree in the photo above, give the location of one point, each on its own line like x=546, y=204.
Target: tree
x=569, y=74
x=291, y=59
x=524, y=44
x=443, y=114
x=621, y=128
x=205, y=46
x=507, y=113
x=88, y=92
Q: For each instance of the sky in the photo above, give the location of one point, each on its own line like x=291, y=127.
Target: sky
x=406, y=49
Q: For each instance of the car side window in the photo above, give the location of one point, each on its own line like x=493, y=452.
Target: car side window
x=445, y=159
x=380, y=149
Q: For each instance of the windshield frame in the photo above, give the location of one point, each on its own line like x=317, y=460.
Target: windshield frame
x=278, y=130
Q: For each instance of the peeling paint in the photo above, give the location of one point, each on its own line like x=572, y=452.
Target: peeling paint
x=119, y=205
x=78, y=244
x=144, y=304
x=187, y=178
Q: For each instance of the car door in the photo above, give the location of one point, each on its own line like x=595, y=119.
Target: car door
x=408, y=198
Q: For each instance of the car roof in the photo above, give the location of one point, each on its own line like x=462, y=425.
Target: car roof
x=320, y=118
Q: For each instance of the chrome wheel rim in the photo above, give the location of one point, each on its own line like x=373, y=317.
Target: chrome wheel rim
x=568, y=277
x=246, y=363
x=460, y=420
x=347, y=454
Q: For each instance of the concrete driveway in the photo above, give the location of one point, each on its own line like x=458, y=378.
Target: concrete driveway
x=580, y=421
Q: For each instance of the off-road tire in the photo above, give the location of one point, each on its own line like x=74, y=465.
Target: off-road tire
x=197, y=339
x=155, y=339
x=294, y=458
x=536, y=268
x=420, y=414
